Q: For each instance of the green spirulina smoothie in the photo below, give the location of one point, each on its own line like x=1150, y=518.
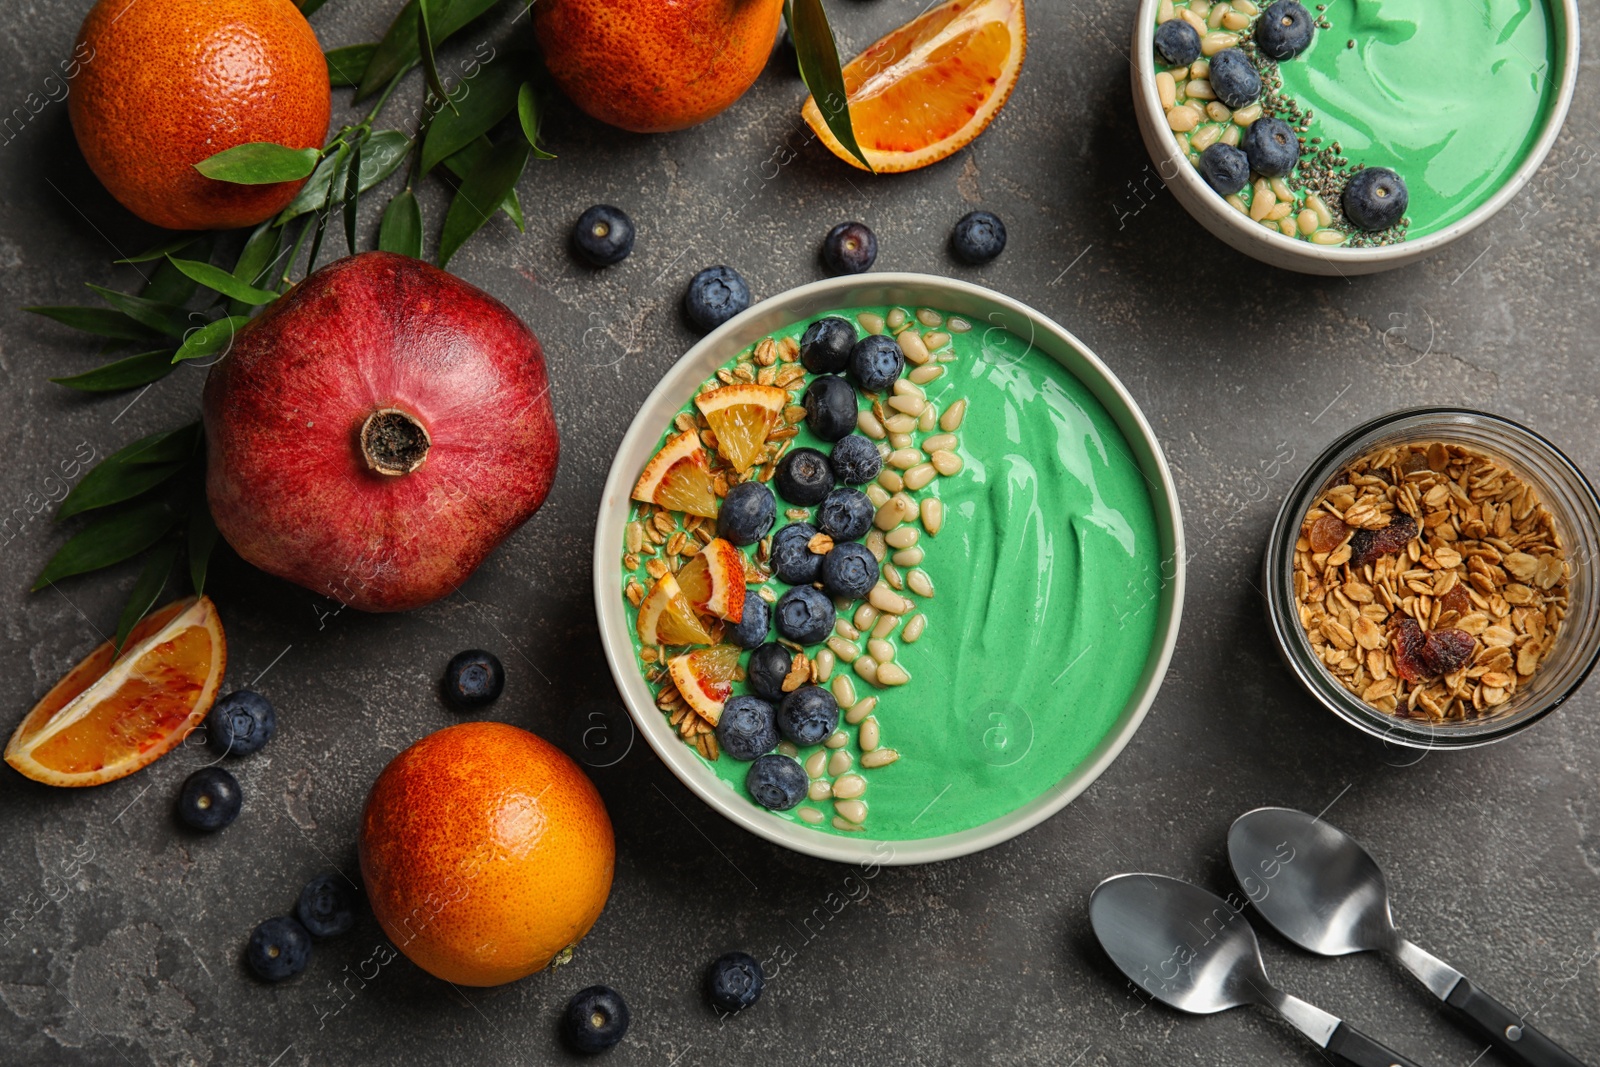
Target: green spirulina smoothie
x=1449, y=94
x=1046, y=575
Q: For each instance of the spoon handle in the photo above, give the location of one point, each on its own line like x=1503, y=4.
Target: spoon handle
x=1516, y=1040
x=1351, y=1046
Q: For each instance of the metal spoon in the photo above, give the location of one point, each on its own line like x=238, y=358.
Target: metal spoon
x=1193, y=950
x=1322, y=891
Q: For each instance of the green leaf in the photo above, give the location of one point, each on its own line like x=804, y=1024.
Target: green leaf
x=481, y=193
x=133, y=470
x=259, y=163
x=126, y=373
x=161, y=251
x=352, y=197
x=109, y=539
x=172, y=446
x=819, y=67
x=381, y=156
x=212, y=337
x=398, y=49
x=102, y=322
x=483, y=101
x=255, y=262
x=430, y=68
x=531, y=113
x=220, y=280
x=308, y=6
x=461, y=165
x=146, y=590
x=314, y=193
x=401, y=228
x=201, y=541
x=336, y=188
x=160, y=317
x=168, y=285
x=345, y=65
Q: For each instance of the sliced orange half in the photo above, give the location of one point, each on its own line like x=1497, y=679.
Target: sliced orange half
x=678, y=478
x=112, y=715
x=667, y=618
x=928, y=88
x=714, y=580
x=705, y=678
x=741, y=416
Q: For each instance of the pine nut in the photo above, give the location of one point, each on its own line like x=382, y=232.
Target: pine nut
x=1200, y=8
x=1192, y=19
x=908, y=507
x=844, y=691
x=1234, y=201
x=868, y=424
x=885, y=626
x=1279, y=211
x=946, y=462
x=822, y=665
x=853, y=810
x=1281, y=190
x=904, y=458
x=950, y=421
x=928, y=419
x=870, y=322
x=888, y=601
x=919, y=476
x=867, y=668
x=858, y=711
x=879, y=757
x=849, y=786
x=896, y=319
x=1205, y=137
x=837, y=739
x=845, y=824
x=1246, y=8
x=901, y=440
x=816, y=764
x=928, y=317
x=908, y=557
x=888, y=515
x=1212, y=43
x=1200, y=89
x=902, y=387
x=920, y=583
x=812, y=816
x=819, y=790
x=891, y=574
x=883, y=652
x=938, y=442
x=916, y=352
x=866, y=615
x=914, y=628
x=846, y=631
x=924, y=375
x=1286, y=226
x=911, y=405
x=1324, y=216
x=932, y=516
x=1306, y=221
x=1200, y=68
x=935, y=339
x=1327, y=237
x=1183, y=118
x=786, y=748
x=840, y=761
x=878, y=495
x=1246, y=115
x=869, y=738
x=890, y=480
x=875, y=544
x=1165, y=12
x=1214, y=18
x=843, y=649
x=1217, y=111
x=902, y=537
x=1231, y=136
x=1262, y=200
x=900, y=424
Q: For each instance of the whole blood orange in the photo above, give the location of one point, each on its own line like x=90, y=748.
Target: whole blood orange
x=651, y=67
x=165, y=85
x=486, y=852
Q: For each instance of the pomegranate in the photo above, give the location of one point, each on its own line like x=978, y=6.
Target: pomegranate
x=377, y=431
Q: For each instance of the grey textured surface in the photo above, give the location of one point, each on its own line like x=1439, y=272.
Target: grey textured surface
x=1494, y=854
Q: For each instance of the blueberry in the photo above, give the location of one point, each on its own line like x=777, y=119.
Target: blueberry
x=846, y=515
x=753, y=625
x=240, y=723
x=1375, y=198
x=1272, y=147
x=746, y=513
x=776, y=782
x=595, y=1019
x=849, y=248
x=1234, y=78
x=280, y=948
x=849, y=570
x=808, y=715
x=1225, y=168
x=327, y=906
x=715, y=295
x=830, y=407
x=804, y=476
x=875, y=362
x=1284, y=30
x=792, y=560
x=473, y=679
x=734, y=982
x=1178, y=42
x=748, y=727
x=603, y=235
x=855, y=460
x=825, y=346
x=768, y=667
x=211, y=798
x=804, y=615
x=979, y=236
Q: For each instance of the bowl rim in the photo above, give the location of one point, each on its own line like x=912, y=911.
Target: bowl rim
x=1256, y=241
x=710, y=352
x=1287, y=632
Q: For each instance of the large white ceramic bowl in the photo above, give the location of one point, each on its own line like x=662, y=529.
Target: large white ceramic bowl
x=913, y=290
x=1290, y=253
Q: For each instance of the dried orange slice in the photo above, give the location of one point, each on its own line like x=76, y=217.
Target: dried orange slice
x=705, y=678
x=928, y=88
x=741, y=416
x=667, y=618
x=714, y=580
x=678, y=478
x=112, y=715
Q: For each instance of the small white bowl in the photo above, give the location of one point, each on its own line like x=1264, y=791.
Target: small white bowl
x=911, y=290
x=1290, y=253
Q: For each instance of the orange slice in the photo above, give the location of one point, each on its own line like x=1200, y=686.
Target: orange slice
x=714, y=580
x=705, y=678
x=112, y=715
x=678, y=478
x=927, y=89
x=741, y=416
x=667, y=618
